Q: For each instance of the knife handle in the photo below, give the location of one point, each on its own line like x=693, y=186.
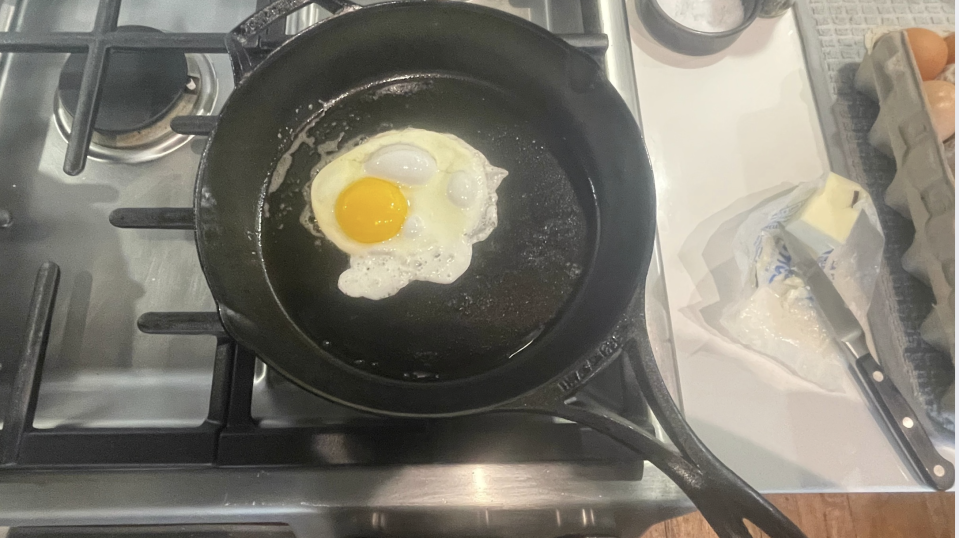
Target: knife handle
x=902, y=421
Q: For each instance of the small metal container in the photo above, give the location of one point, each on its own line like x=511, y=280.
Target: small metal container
x=678, y=38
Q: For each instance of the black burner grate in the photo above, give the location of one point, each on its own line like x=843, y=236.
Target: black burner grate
x=98, y=44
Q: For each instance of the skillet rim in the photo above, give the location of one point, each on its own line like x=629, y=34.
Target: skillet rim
x=416, y=398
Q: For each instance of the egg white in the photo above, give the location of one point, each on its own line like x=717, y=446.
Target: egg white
x=444, y=219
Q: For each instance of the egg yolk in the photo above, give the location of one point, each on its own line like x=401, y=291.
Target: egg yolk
x=371, y=210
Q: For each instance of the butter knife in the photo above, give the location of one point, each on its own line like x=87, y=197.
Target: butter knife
x=899, y=417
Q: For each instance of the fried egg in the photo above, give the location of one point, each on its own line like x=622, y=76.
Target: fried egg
x=405, y=205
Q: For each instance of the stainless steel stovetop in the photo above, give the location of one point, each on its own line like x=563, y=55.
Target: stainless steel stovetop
x=102, y=372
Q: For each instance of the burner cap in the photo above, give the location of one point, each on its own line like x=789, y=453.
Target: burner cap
x=140, y=87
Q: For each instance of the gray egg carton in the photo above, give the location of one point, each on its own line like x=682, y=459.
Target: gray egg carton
x=923, y=189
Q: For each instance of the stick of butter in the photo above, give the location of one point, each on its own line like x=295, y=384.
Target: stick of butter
x=828, y=216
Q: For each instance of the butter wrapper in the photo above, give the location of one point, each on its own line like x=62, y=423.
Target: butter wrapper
x=775, y=314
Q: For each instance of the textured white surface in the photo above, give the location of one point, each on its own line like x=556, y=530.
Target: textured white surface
x=724, y=133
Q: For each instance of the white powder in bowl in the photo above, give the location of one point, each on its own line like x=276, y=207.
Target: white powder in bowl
x=705, y=15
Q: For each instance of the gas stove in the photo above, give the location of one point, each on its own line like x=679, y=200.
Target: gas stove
x=119, y=388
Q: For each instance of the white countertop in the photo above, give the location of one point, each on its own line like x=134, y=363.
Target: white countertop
x=725, y=132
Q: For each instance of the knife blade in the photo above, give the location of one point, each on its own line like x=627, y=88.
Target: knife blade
x=842, y=323
x=894, y=409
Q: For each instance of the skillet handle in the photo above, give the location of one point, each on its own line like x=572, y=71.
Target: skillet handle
x=245, y=36
x=724, y=499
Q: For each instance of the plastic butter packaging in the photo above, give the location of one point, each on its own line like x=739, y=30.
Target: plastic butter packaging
x=775, y=314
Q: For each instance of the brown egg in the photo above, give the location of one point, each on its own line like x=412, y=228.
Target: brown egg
x=941, y=97
x=929, y=50
x=951, y=48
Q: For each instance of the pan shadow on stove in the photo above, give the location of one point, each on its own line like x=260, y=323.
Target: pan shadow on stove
x=78, y=307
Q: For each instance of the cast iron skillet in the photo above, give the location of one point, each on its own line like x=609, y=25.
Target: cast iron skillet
x=543, y=305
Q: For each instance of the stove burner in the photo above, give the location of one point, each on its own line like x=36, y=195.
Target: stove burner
x=142, y=92
x=139, y=89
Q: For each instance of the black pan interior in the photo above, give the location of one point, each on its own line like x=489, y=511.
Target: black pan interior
x=520, y=277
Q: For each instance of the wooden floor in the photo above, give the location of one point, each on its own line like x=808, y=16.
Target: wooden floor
x=840, y=515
